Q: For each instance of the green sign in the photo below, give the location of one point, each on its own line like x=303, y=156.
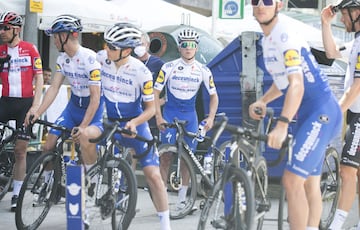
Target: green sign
x=231, y=9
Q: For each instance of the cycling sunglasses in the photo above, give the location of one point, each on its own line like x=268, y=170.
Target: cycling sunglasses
x=188, y=44
x=265, y=2
x=112, y=47
x=5, y=28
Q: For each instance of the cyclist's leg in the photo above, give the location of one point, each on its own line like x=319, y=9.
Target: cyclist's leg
x=313, y=195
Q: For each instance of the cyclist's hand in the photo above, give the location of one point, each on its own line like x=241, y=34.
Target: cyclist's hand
x=75, y=134
x=209, y=123
x=30, y=118
x=160, y=122
x=132, y=127
x=277, y=136
x=254, y=109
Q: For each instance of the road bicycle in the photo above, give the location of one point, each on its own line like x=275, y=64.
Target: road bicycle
x=239, y=198
x=185, y=160
x=8, y=135
x=108, y=206
x=330, y=191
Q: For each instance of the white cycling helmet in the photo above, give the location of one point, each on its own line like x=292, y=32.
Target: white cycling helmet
x=11, y=18
x=123, y=35
x=188, y=34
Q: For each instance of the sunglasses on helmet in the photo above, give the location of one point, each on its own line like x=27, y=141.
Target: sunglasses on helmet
x=188, y=44
x=5, y=28
x=112, y=47
x=265, y=2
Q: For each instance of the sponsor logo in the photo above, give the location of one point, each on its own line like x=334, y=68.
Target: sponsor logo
x=161, y=77
x=95, y=75
x=310, y=142
x=37, y=63
x=148, y=87
x=292, y=58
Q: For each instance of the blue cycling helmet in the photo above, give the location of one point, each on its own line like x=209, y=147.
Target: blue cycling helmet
x=123, y=35
x=65, y=23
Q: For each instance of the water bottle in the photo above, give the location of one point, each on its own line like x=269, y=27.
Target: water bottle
x=201, y=132
x=208, y=162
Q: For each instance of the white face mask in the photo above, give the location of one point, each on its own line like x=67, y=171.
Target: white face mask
x=140, y=51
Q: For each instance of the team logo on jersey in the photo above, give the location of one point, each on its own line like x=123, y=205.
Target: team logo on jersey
x=180, y=67
x=292, y=58
x=148, y=87
x=95, y=75
x=57, y=68
x=161, y=77
x=37, y=63
x=211, y=81
x=357, y=66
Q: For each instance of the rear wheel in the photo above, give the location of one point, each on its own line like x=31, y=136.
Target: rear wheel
x=262, y=204
x=6, y=167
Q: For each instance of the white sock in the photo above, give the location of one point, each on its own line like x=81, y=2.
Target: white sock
x=94, y=179
x=358, y=226
x=339, y=219
x=182, y=193
x=47, y=175
x=164, y=220
x=16, y=187
x=312, y=228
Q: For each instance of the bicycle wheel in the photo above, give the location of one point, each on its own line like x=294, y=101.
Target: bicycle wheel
x=260, y=180
x=330, y=186
x=179, y=209
x=7, y=160
x=36, y=197
x=231, y=204
x=117, y=197
x=282, y=211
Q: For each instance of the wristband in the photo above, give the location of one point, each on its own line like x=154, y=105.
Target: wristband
x=283, y=119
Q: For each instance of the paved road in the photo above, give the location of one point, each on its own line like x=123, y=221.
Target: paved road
x=146, y=218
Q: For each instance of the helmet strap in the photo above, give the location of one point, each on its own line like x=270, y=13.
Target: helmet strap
x=121, y=57
x=271, y=19
x=63, y=43
x=13, y=36
x=353, y=21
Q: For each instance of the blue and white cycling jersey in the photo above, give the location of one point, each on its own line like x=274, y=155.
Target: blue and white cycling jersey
x=81, y=71
x=126, y=87
x=319, y=116
x=182, y=82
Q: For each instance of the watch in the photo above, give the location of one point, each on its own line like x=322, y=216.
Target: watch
x=283, y=119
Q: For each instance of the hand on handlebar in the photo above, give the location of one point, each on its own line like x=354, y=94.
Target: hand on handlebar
x=277, y=137
x=257, y=110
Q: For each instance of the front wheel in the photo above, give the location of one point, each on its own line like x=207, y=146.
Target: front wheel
x=179, y=208
x=260, y=179
x=330, y=186
x=231, y=203
x=37, y=195
x=7, y=161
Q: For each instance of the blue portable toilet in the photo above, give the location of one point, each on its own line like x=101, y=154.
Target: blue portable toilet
x=227, y=68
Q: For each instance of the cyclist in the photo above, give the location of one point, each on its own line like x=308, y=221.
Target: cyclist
x=128, y=87
x=182, y=78
x=84, y=110
x=22, y=80
x=297, y=76
x=349, y=102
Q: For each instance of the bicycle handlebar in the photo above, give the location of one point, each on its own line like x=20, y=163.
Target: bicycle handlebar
x=110, y=128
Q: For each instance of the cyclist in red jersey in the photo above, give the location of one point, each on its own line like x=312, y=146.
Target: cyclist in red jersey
x=22, y=82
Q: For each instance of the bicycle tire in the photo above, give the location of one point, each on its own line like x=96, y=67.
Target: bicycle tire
x=330, y=186
x=177, y=211
x=116, y=205
x=34, y=203
x=260, y=180
x=7, y=161
x=240, y=214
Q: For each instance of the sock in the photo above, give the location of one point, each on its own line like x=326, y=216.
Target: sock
x=339, y=219
x=182, y=193
x=164, y=220
x=94, y=179
x=16, y=187
x=312, y=228
x=47, y=175
x=358, y=226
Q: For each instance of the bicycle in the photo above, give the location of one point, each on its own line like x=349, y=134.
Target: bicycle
x=37, y=197
x=184, y=159
x=330, y=191
x=8, y=135
x=239, y=198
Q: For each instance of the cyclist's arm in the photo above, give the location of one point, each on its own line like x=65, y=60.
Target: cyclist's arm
x=37, y=92
x=213, y=106
x=330, y=47
x=93, y=105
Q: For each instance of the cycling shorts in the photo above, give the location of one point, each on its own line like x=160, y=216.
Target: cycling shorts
x=351, y=153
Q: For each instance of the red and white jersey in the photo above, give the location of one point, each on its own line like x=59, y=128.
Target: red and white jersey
x=18, y=74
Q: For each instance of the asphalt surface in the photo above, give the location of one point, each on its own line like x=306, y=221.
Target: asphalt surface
x=146, y=217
